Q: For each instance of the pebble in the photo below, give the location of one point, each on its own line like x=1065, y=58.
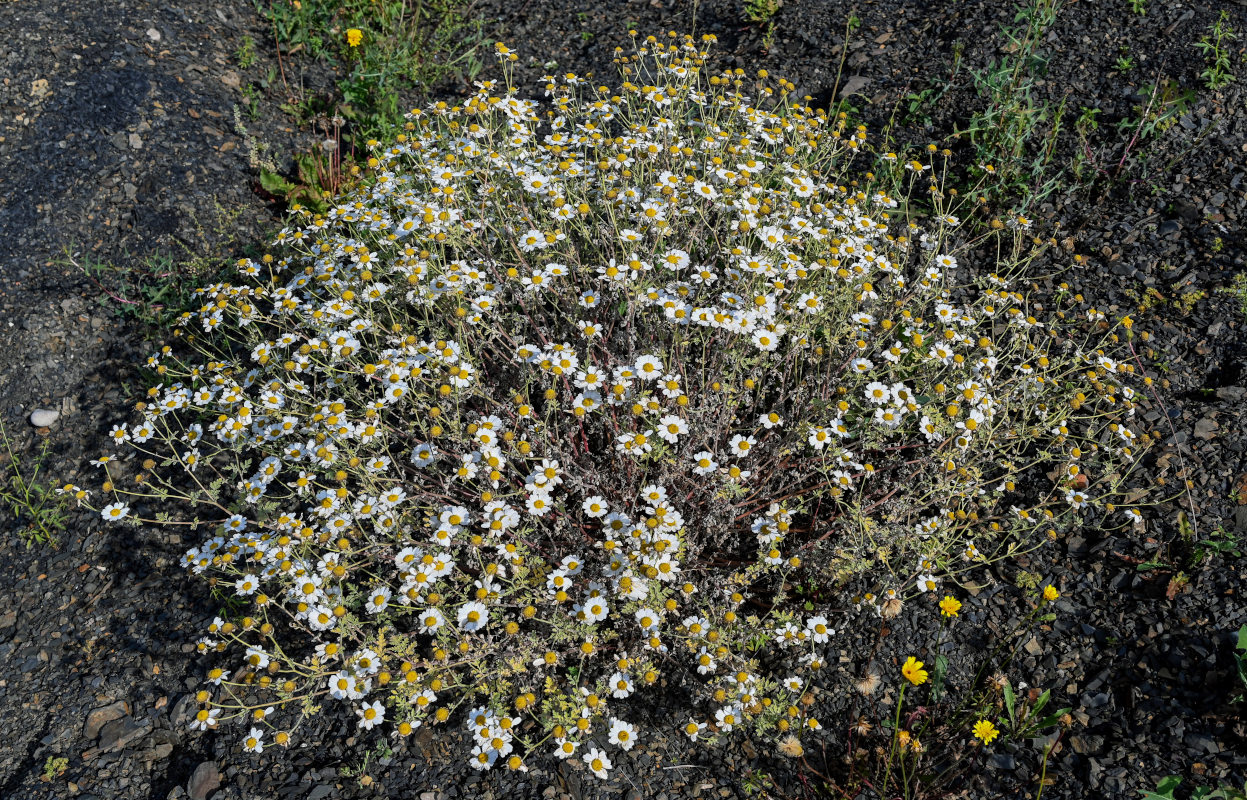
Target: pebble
x=43, y=417
x=120, y=733
x=205, y=780
x=100, y=717
x=1084, y=745
x=854, y=84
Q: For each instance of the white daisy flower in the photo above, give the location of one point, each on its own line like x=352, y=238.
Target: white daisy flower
x=622, y=734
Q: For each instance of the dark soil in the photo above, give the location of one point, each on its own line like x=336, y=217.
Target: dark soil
x=118, y=141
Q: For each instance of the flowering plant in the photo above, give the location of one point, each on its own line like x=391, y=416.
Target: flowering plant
x=569, y=398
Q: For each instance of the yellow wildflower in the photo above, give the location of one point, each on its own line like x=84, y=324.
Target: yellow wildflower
x=985, y=731
x=913, y=671
x=1050, y=593
x=354, y=36
x=949, y=606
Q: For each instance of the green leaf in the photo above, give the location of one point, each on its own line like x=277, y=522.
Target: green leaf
x=1164, y=789
x=1010, y=705
x=275, y=184
x=306, y=164
x=1052, y=719
x=937, y=677
x=1242, y=639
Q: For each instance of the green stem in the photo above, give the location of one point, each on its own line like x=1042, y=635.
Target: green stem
x=896, y=732
x=1043, y=771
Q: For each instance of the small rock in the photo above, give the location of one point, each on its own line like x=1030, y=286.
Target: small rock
x=1033, y=646
x=1231, y=393
x=1084, y=745
x=854, y=84
x=231, y=79
x=100, y=717
x=39, y=89
x=43, y=417
x=320, y=792
x=1198, y=742
x=136, y=141
x=1206, y=428
x=205, y=780
x=120, y=733
x=153, y=34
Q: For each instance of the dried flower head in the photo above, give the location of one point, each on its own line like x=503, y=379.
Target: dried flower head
x=791, y=746
x=867, y=684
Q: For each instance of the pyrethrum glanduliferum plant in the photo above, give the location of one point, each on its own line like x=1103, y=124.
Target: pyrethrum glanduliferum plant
x=568, y=398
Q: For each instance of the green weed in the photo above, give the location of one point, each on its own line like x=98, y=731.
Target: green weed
x=1003, y=131
x=155, y=290
x=762, y=12
x=1237, y=290
x=149, y=292
x=1166, y=103
x=757, y=784
x=251, y=99
x=405, y=48
x=1166, y=788
x=1107, y=164
x=40, y=512
x=1215, y=47
x=245, y=55
x=1087, y=120
x=1199, y=550
x=54, y=768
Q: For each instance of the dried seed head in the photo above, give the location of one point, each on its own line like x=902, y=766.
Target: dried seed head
x=867, y=684
x=791, y=747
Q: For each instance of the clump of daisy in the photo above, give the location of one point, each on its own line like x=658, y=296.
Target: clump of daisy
x=566, y=383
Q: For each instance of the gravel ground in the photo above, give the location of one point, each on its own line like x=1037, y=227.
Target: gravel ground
x=118, y=140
